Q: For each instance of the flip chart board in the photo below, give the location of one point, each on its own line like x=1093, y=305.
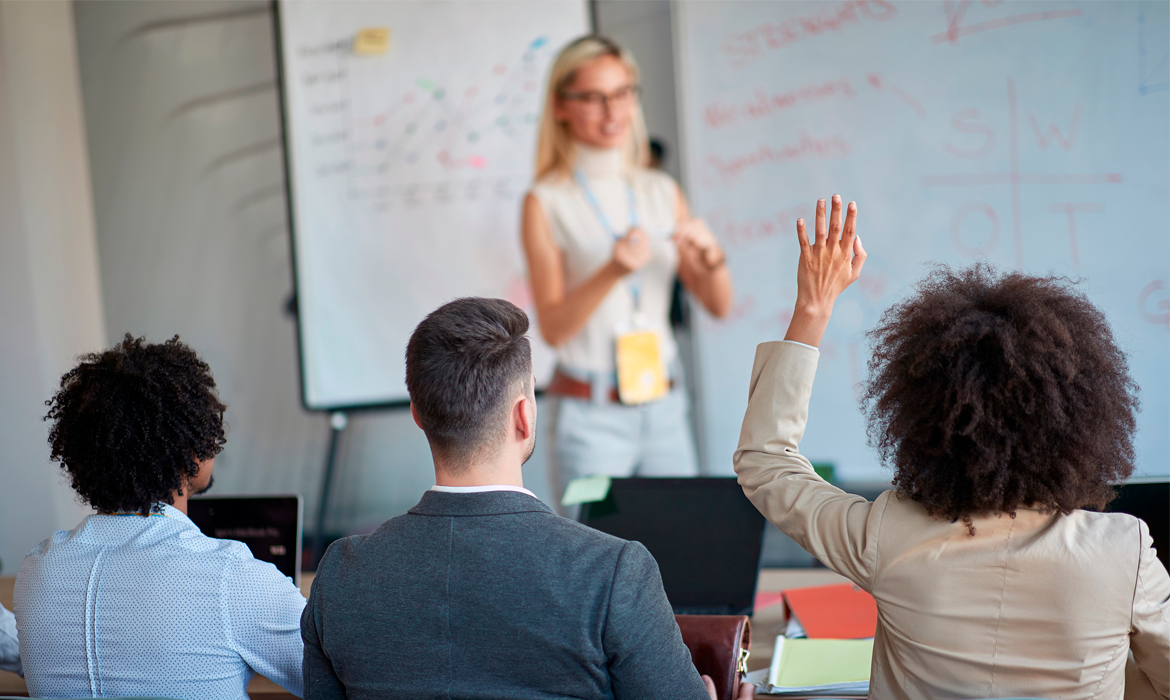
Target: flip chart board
x=1033, y=135
x=410, y=130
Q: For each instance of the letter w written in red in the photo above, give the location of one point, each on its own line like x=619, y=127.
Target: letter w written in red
x=1054, y=131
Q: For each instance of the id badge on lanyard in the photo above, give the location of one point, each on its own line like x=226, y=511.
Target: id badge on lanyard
x=641, y=373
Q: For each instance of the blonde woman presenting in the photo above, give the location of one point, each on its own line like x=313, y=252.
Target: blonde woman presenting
x=605, y=237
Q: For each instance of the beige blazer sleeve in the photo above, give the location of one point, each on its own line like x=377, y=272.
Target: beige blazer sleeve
x=1149, y=637
x=838, y=528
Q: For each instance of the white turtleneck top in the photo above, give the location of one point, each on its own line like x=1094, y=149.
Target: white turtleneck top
x=587, y=245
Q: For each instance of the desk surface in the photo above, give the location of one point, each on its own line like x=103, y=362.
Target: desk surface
x=766, y=624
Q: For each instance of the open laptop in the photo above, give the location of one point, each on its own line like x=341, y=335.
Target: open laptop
x=269, y=525
x=704, y=533
x=1148, y=499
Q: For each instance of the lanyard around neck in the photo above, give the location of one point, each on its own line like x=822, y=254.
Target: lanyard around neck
x=633, y=281
x=600, y=213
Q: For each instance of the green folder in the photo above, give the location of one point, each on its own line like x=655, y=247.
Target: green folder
x=803, y=663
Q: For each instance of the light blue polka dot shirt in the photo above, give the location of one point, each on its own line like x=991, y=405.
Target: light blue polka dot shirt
x=127, y=605
x=9, y=647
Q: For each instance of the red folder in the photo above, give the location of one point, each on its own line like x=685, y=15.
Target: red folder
x=840, y=611
x=766, y=599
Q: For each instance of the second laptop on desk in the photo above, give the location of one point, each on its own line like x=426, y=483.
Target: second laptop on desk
x=704, y=533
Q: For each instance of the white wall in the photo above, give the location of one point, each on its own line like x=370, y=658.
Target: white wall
x=644, y=27
x=182, y=109
x=50, y=299
x=181, y=105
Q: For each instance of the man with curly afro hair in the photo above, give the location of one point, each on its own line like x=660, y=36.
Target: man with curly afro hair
x=1006, y=410
x=136, y=600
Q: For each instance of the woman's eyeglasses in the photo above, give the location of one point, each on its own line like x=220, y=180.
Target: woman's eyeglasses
x=622, y=97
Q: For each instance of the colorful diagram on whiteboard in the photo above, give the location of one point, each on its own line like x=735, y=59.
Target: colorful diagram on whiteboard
x=424, y=138
x=411, y=128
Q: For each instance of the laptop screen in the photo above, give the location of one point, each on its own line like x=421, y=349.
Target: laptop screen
x=703, y=532
x=269, y=525
x=1150, y=501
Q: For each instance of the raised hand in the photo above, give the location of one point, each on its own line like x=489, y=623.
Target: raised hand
x=828, y=264
x=631, y=252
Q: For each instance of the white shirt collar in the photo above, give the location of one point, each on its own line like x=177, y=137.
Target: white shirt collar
x=482, y=489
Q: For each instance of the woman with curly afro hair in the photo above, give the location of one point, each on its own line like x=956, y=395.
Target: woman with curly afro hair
x=167, y=610
x=1006, y=410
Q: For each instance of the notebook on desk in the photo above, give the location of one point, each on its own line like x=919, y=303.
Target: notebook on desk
x=819, y=668
x=704, y=533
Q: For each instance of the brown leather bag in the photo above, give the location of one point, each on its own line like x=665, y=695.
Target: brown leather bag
x=719, y=648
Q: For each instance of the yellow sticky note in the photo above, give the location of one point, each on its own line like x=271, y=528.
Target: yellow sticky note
x=372, y=41
x=587, y=489
x=641, y=374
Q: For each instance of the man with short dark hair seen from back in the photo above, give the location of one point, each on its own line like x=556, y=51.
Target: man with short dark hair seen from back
x=480, y=590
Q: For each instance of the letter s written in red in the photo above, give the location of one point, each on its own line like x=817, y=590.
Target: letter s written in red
x=966, y=121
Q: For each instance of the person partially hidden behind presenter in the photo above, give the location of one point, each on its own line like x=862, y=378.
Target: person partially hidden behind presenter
x=1006, y=409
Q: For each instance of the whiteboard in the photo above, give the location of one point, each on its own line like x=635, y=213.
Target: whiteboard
x=406, y=169
x=1033, y=135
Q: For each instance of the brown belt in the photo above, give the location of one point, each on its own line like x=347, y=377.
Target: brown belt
x=564, y=385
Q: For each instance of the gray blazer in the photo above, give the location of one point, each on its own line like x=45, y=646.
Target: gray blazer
x=491, y=595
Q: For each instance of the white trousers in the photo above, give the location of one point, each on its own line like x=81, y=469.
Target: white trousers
x=650, y=439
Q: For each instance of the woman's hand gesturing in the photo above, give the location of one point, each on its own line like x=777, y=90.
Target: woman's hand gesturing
x=631, y=252
x=694, y=235
x=828, y=264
